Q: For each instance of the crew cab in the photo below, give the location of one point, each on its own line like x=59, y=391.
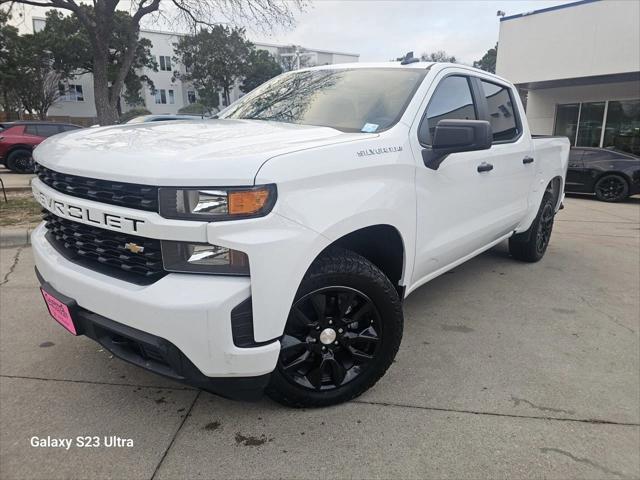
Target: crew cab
x=270, y=249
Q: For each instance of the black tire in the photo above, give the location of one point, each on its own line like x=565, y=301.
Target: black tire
x=345, y=291
x=530, y=246
x=20, y=161
x=611, y=188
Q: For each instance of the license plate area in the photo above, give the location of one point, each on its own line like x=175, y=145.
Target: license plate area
x=60, y=307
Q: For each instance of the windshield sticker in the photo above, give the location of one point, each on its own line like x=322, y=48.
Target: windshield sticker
x=369, y=127
x=378, y=151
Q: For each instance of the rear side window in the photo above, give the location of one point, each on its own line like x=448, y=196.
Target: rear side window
x=30, y=130
x=501, y=112
x=47, y=130
x=66, y=128
x=452, y=100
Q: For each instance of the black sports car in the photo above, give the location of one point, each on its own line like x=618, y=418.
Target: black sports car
x=611, y=174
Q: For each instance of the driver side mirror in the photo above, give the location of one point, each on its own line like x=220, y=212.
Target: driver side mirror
x=453, y=136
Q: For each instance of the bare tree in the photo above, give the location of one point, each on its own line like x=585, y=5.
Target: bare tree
x=99, y=22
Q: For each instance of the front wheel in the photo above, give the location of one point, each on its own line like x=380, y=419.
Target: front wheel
x=530, y=246
x=342, y=333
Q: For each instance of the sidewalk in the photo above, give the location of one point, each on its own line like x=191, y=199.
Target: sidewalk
x=15, y=182
x=15, y=237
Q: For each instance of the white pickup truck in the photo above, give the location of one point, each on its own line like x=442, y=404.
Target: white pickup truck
x=270, y=249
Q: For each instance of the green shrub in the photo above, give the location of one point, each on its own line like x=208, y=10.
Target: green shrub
x=133, y=113
x=194, y=109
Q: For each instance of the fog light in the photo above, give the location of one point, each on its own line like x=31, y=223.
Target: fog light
x=186, y=257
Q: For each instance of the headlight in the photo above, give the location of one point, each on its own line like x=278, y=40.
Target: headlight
x=214, y=204
x=186, y=257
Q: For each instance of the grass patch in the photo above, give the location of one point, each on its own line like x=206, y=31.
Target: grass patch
x=20, y=211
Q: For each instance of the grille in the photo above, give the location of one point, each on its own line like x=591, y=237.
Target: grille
x=141, y=197
x=104, y=251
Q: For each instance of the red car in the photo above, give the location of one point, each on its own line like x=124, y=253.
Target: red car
x=17, y=140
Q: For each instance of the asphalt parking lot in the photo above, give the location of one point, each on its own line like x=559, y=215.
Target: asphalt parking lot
x=507, y=370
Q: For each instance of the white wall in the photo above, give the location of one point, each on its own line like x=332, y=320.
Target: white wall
x=163, y=45
x=595, y=38
x=541, y=104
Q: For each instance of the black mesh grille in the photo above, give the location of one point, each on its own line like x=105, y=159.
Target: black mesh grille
x=141, y=197
x=104, y=250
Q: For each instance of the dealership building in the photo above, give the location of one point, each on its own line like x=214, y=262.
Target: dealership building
x=578, y=67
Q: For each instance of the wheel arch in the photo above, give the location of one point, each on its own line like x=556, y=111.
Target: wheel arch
x=555, y=187
x=19, y=146
x=382, y=245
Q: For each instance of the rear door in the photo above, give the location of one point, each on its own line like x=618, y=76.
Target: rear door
x=511, y=153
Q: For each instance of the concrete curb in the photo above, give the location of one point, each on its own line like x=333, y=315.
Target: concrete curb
x=15, y=237
x=17, y=189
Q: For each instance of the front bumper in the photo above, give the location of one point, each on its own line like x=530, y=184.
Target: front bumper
x=192, y=313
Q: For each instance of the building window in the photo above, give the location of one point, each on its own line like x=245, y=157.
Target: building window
x=162, y=95
x=38, y=24
x=622, y=128
x=609, y=124
x=71, y=92
x=501, y=114
x=165, y=63
x=191, y=96
x=590, y=124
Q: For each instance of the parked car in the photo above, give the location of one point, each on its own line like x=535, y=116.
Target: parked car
x=163, y=118
x=272, y=248
x=17, y=140
x=612, y=175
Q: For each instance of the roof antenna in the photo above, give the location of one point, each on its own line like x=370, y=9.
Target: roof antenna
x=408, y=58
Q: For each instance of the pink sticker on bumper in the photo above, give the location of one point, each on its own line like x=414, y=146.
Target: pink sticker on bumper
x=59, y=311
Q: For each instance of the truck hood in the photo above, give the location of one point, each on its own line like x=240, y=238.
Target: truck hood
x=182, y=153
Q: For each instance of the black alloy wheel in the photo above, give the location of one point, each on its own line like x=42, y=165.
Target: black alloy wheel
x=543, y=234
x=331, y=338
x=342, y=332
x=611, y=188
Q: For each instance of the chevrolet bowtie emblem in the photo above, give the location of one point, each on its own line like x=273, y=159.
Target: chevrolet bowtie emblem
x=134, y=247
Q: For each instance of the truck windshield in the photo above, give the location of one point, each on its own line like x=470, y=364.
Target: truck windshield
x=350, y=100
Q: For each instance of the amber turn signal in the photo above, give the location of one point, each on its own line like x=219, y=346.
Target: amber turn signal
x=247, y=202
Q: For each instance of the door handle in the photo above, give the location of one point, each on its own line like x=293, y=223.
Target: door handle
x=526, y=160
x=485, y=167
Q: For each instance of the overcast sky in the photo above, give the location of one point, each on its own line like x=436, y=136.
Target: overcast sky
x=382, y=30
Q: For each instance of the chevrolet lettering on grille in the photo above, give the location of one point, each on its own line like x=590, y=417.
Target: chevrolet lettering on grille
x=87, y=215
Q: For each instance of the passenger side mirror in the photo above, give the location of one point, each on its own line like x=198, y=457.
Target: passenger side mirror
x=452, y=136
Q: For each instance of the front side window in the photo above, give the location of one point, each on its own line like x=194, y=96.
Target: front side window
x=501, y=112
x=452, y=100
x=350, y=100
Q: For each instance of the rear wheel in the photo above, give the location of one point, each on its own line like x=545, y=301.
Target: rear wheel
x=342, y=333
x=611, y=188
x=20, y=161
x=530, y=246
